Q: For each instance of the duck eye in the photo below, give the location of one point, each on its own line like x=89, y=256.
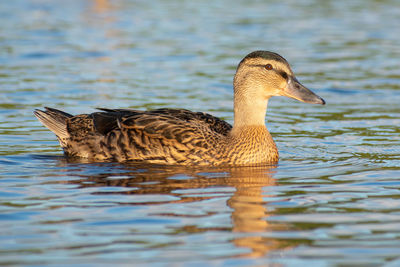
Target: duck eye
x=268, y=67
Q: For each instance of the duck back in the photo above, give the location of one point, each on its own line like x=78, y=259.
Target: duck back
x=164, y=136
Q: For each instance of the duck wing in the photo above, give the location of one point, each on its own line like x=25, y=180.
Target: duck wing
x=109, y=119
x=216, y=124
x=171, y=136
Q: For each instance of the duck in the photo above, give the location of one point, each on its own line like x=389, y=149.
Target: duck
x=183, y=137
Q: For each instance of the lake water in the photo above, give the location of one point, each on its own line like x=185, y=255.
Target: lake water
x=333, y=200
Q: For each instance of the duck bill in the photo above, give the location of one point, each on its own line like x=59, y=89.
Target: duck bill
x=296, y=90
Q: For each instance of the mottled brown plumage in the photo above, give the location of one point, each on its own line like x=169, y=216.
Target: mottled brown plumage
x=183, y=137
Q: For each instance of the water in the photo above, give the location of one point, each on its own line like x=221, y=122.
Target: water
x=333, y=200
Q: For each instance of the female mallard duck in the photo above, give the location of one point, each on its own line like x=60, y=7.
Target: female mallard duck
x=183, y=137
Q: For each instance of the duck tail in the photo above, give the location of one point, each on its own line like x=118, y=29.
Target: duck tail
x=55, y=120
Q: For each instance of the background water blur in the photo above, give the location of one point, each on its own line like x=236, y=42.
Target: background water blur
x=333, y=200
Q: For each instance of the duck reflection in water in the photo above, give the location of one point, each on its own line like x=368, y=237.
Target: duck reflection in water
x=249, y=210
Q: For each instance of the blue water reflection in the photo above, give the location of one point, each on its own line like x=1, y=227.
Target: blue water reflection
x=332, y=200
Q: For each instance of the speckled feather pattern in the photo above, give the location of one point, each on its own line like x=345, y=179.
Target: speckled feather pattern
x=163, y=136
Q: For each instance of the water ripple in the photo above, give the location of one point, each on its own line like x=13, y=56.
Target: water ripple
x=332, y=199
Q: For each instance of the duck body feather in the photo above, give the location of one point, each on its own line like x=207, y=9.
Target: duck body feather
x=162, y=136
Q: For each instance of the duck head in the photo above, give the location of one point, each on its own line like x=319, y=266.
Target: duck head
x=272, y=76
x=259, y=76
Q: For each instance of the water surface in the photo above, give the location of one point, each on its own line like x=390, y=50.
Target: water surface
x=333, y=200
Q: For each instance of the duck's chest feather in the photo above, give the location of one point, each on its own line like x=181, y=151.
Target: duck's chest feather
x=250, y=145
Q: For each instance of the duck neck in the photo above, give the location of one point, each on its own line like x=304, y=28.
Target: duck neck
x=249, y=109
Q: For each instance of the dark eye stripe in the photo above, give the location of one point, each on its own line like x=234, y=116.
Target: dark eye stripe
x=256, y=65
x=267, y=66
x=280, y=72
